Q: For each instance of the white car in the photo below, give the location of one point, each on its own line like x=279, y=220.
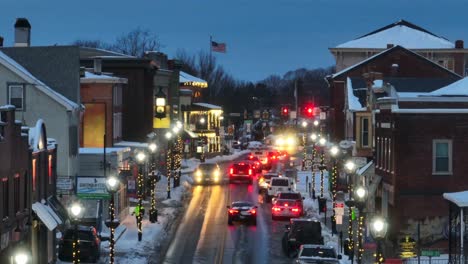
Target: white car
x=279, y=184
x=318, y=254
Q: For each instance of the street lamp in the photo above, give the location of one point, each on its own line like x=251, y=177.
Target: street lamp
x=334, y=175
x=314, y=138
x=76, y=210
x=322, y=142
x=175, y=156
x=360, y=197
x=153, y=214
x=113, y=185
x=350, y=168
x=378, y=231
x=168, y=136
x=160, y=101
x=21, y=257
x=141, y=158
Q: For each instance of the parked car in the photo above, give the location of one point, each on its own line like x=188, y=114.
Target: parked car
x=242, y=171
x=296, y=196
x=301, y=231
x=317, y=254
x=284, y=208
x=279, y=184
x=90, y=244
x=206, y=173
x=243, y=211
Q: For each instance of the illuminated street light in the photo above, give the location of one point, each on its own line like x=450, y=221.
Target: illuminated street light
x=304, y=124
x=360, y=197
x=334, y=151
x=141, y=158
x=76, y=210
x=113, y=185
x=378, y=230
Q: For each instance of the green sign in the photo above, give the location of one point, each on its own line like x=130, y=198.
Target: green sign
x=430, y=253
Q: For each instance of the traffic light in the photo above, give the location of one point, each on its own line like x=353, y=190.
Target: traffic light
x=309, y=111
x=284, y=111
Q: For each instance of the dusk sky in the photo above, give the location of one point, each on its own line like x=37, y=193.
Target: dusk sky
x=263, y=37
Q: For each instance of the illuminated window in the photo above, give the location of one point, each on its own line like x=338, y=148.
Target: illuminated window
x=34, y=171
x=49, y=169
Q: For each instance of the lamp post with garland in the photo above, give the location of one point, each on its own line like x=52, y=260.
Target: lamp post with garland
x=350, y=168
x=360, y=198
x=168, y=136
x=314, y=138
x=153, y=213
x=378, y=230
x=113, y=185
x=141, y=158
x=333, y=181
x=76, y=210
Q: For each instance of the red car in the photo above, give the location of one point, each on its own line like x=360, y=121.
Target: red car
x=243, y=171
x=285, y=208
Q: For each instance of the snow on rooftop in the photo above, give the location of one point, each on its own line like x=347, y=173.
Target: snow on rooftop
x=459, y=87
x=101, y=150
x=458, y=198
x=353, y=101
x=402, y=35
x=377, y=84
x=211, y=106
x=131, y=144
x=190, y=80
x=7, y=107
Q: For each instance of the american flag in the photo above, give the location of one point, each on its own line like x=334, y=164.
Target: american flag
x=218, y=47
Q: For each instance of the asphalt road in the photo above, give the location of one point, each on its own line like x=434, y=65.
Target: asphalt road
x=203, y=235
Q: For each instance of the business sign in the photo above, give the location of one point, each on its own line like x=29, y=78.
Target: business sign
x=430, y=253
x=91, y=188
x=64, y=184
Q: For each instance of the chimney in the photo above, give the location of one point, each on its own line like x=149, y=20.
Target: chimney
x=98, y=66
x=389, y=46
x=459, y=61
x=1, y=41
x=459, y=44
x=22, y=33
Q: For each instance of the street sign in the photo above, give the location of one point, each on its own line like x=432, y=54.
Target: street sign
x=430, y=253
x=339, y=211
x=339, y=219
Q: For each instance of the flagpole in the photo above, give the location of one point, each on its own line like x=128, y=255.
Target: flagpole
x=211, y=43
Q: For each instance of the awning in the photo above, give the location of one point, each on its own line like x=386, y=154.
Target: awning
x=58, y=208
x=458, y=198
x=189, y=134
x=45, y=215
x=188, y=80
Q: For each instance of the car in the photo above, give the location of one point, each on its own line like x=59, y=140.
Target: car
x=264, y=181
x=279, y=184
x=318, y=254
x=285, y=208
x=207, y=173
x=242, y=171
x=301, y=231
x=243, y=211
x=256, y=161
x=296, y=196
x=90, y=244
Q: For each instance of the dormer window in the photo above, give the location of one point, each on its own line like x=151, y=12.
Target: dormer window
x=16, y=96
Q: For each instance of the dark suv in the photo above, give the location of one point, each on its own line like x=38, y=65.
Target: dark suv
x=89, y=246
x=301, y=231
x=291, y=196
x=243, y=171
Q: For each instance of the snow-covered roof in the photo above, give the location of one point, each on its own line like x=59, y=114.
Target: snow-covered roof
x=353, y=101
x=131, y=144
x=190, y=80
x=361, y=63
x=44, y=214
x=7, y=107
x=101, y=78
x=458, y=198
x=101, y=150
x=459, y=87
x=28, y=77
x=210, y=106
x=400, y=34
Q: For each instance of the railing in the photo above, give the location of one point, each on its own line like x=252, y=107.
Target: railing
x=426, y=260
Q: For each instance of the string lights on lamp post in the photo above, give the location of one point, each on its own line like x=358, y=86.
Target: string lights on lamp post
x=175, y=155
x=378, y=231
x=314, y=138
x=334, y=175
x=141, y=158
x=76, y=210
x=350, y=167
x=168, y=136
x=113, y=185
x=153, y=213
x=360, y=198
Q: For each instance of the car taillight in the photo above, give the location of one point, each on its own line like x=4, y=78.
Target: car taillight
x=232, y=211
x=285, y=205
x=296, y=210
x=231, y=171
x=250, y=171
x=253, y=211
x=276, y=209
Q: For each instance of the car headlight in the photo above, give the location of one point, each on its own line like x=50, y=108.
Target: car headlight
x=198, y=179
x=216, y=173
x=198, y=173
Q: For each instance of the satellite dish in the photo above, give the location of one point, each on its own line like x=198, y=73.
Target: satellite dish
x=345, y=144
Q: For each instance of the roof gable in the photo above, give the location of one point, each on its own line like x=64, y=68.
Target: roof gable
x=56, y=66
x=387, y=52
x=28, y=77
x=401, y=33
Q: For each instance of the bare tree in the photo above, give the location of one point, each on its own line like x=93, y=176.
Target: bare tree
x=188, y=62
x=97, y=44
x=136, y=42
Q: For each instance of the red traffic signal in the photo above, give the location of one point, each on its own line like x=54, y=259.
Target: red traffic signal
x=309, y=111
x=284, y=111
